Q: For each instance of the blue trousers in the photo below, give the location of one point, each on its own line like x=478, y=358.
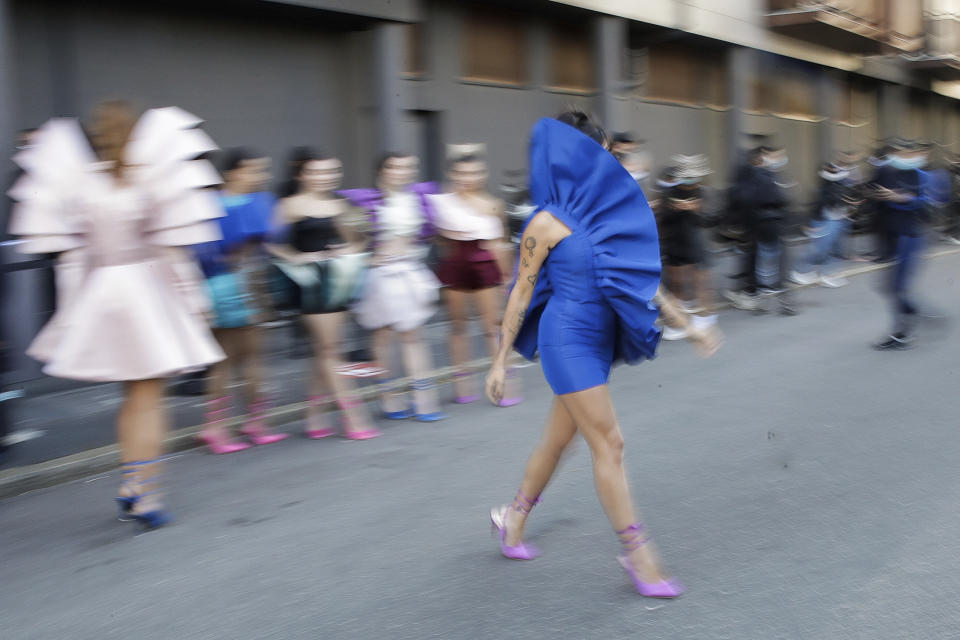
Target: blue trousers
x=902, y=275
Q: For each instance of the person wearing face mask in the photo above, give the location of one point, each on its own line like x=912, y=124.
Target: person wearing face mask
x=234, y=268
x=400, y=293
x=474, y=242
x=829, y=225
x=319, y=266
x=681, y=244
x=902, y=191
x=886, y=242
x=629, y=151
x=764, y=197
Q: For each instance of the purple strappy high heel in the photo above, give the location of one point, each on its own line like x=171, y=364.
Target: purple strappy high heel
x=498, y=519
x=632, y=538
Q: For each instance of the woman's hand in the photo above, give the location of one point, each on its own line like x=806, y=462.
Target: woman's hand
x=495, y=381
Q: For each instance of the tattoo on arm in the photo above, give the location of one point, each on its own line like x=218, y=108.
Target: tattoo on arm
x=532, y=278
x=524, y=263
x=530, y=244
x=520, y=318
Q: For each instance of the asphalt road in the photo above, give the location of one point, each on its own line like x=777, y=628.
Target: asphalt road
x=801, y=484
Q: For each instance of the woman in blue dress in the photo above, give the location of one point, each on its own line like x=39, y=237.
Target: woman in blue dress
x=587, y=294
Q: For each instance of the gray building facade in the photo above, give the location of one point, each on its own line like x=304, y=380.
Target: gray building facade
x=359, y=77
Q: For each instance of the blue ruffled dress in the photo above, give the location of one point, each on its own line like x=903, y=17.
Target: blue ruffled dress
x=593, y=302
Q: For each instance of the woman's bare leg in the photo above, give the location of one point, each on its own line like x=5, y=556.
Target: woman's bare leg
x=218, y=378
x=392, y=399
x=251, y=363
x=141, y=428
x=416, y=362
x=325, y=329
x=704, y=290
x=457, y=303
x=592, y=411
x=541, y=464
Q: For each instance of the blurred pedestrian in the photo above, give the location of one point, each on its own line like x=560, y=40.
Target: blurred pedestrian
x=289, y=186
x=585, y=296
x=235, y=271
x=321, y=262
x=130, y=301
x=829, y=225
x=474, y=243
x=902, y=192
x=951, y=231
x=886, y=237
x=400, y=293
x=741, y=225
x=684, y=255
x=765, y=199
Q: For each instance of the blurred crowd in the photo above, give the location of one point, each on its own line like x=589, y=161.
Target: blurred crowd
x=296, y=246
x=892, y=198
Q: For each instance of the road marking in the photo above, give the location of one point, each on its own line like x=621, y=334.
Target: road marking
x=22, y=436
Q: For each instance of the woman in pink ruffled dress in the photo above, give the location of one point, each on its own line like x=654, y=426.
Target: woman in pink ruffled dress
x=131, y=305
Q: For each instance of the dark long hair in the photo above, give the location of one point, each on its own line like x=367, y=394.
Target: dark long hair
x=296, y=160
x=582, y=122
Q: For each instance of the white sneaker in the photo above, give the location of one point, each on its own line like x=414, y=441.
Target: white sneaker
x=833, y=282
x=804, y=278
x=702, y=322
x=742, y=301
x=669, y=333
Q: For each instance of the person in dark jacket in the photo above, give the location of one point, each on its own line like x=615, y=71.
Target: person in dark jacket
x=828, y=228
x=765, y=198
x=901, y=188
x=886, y=239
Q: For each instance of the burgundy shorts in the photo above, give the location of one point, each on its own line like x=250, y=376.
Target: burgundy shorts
x=468, y=267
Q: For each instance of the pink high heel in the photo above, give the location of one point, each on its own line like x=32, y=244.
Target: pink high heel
x=466, y=399
x=361, y=434
x=256, y=427
x=325, y=432
x=509, y=402
x=632, y=539
x=498, y=520
x=214, y=434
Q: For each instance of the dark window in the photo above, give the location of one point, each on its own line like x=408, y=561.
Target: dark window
x=495, y=47
x=571, y=56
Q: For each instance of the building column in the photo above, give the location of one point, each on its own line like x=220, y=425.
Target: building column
x=741, y=66
x=610, y=43
x=389, y=48
x=892, y=109
x=7, y=120
x=827, y=104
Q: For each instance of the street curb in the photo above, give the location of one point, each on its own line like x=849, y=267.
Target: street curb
x=851, y=272
x=19, y=480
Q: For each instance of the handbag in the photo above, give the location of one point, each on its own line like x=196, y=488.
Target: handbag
x=230, y=300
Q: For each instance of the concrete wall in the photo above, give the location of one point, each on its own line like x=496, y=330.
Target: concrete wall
x=268, y=83
x=499, y=116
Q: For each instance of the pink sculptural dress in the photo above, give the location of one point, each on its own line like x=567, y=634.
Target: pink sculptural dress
x=130, y=302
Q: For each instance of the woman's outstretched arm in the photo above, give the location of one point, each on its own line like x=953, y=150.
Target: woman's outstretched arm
x=541, y=235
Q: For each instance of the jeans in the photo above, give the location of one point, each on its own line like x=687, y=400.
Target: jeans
x=769, y=253
x=826, y=243
x=909, y=250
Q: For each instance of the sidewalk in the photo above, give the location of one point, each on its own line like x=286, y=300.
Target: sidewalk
x=71, y=432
